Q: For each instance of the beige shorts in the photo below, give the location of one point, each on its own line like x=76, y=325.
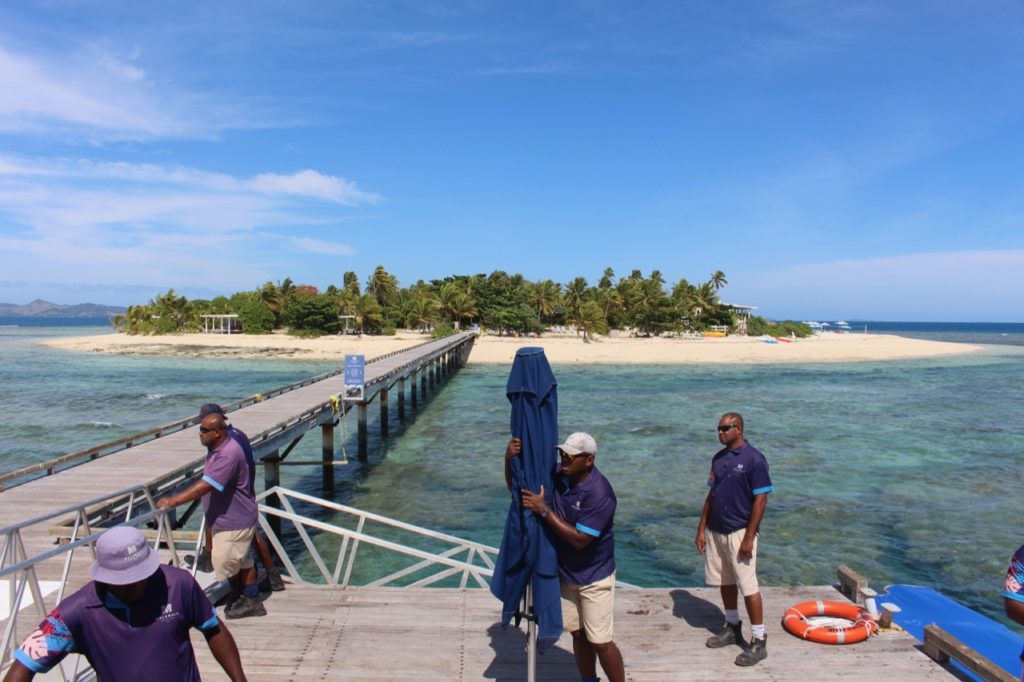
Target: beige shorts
x=230, y=551
x=594, y=604
x=721, y=565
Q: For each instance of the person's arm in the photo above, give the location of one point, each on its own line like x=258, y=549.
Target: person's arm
x=515, y=446
x=18, y=673
x=1014, y=609
x=701, y=539
x=194, y=492
x=746, y=550
x=222, y=646
x=574, y=537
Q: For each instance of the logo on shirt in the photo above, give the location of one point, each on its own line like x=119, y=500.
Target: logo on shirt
x=739, y=467
x=168, y=612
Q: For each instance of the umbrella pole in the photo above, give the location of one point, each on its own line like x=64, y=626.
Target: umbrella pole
x=531, y=635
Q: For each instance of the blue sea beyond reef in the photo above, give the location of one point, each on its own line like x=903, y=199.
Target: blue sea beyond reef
x=907, y=471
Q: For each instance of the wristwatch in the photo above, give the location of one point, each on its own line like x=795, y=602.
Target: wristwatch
x=544, y=514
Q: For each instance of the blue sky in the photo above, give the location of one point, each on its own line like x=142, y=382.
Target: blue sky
x=834, y=159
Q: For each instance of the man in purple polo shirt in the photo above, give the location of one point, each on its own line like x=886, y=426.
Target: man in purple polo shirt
x=260, y=545
x=229, y=503
x=727, y=535
x=131, y=621
x=582, y=517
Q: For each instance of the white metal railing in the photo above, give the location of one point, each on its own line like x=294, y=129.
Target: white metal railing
x=440, y=555
x=20, y=571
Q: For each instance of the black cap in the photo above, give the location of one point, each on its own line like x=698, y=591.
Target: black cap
x=210, y=408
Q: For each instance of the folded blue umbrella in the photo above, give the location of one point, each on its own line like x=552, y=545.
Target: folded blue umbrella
x=527, y=553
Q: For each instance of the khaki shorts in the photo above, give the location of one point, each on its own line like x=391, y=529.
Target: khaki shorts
x=594, y=604
x=231, y=551
x=721, y=565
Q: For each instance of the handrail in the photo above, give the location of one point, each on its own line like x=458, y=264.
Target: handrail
x=56, y=464
x=477, y=564
x=20, y=569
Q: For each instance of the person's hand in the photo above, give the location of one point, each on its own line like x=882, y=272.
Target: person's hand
x=746, y=552
x=165, y=503
x=534, y=501
x=700, y=541
x=515, y=446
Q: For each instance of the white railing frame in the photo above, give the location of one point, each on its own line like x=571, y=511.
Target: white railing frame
x=478, y=563
x=20, y=569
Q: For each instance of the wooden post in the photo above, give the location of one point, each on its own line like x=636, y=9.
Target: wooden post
x=361, y=414
x=414, y=389
x=382, y=397
x=401, y=400
x=432, y=372
x=327, y=454
x=423, y=382
x=271, y=478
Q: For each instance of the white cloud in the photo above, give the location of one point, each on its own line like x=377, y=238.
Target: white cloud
x=145, y=223
x=310, y=183
x=322, y=247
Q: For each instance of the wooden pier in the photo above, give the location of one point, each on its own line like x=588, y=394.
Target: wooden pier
x=447, y=635
x=171, y=455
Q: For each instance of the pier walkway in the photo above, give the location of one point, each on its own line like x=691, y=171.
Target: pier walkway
x=172, y=455
x=447, y=635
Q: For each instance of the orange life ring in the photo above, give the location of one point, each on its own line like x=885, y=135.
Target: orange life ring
x=797, y=623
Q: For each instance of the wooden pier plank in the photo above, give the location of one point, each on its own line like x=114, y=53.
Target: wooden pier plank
x=313, y=633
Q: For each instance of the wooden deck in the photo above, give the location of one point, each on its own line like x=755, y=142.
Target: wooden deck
x=319, y=633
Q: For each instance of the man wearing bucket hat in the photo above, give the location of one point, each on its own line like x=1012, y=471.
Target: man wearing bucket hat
x=131, y=621
x=581, y=516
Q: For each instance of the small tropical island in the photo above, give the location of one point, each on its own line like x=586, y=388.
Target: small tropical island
x=635, y=319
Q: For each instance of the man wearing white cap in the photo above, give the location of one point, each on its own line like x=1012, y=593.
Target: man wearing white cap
x=131, y=621
x=581, y=517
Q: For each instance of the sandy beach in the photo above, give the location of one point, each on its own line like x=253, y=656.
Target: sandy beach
x=560, y=349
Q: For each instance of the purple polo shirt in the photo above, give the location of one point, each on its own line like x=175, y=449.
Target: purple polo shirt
x=590, y=508
x=231, y=505
x=243, y=440
x=736, y=477
x=145, y=641
x=1013, y=585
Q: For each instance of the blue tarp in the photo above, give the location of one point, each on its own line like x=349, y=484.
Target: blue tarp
x=527, y=552
x=921, y=606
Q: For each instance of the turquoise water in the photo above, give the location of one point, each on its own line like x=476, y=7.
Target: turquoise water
x=909, y=472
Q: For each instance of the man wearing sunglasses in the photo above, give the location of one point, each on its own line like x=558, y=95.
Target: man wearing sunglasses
x=229, y=504
x=581, y=517
x=727, y=535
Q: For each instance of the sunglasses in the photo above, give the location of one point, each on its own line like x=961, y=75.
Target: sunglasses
x=203, y=429
x=725, y=428
x=566, y=455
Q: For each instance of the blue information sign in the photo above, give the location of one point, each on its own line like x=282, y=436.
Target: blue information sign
x=355, y=369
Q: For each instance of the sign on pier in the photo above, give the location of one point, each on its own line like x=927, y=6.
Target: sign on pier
x=355, y=371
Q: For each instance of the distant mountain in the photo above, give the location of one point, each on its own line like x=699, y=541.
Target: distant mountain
x=40, y=308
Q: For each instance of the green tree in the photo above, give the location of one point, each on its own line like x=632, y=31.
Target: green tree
x=311, y=315
x=382, y=285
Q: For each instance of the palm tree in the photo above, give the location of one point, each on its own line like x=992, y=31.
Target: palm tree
x=607, y=279
x=718, y=280
x=423, y=311
x=544, y=297
x=382, y=285
x=368, y=313
x=350, y=282
x=463, y=305
x=576, y=294
x=590, y=320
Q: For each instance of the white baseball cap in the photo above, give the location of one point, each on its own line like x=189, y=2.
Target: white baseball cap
x=579, y=443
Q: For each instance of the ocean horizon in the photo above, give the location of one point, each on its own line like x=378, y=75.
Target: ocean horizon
x=904, y=470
